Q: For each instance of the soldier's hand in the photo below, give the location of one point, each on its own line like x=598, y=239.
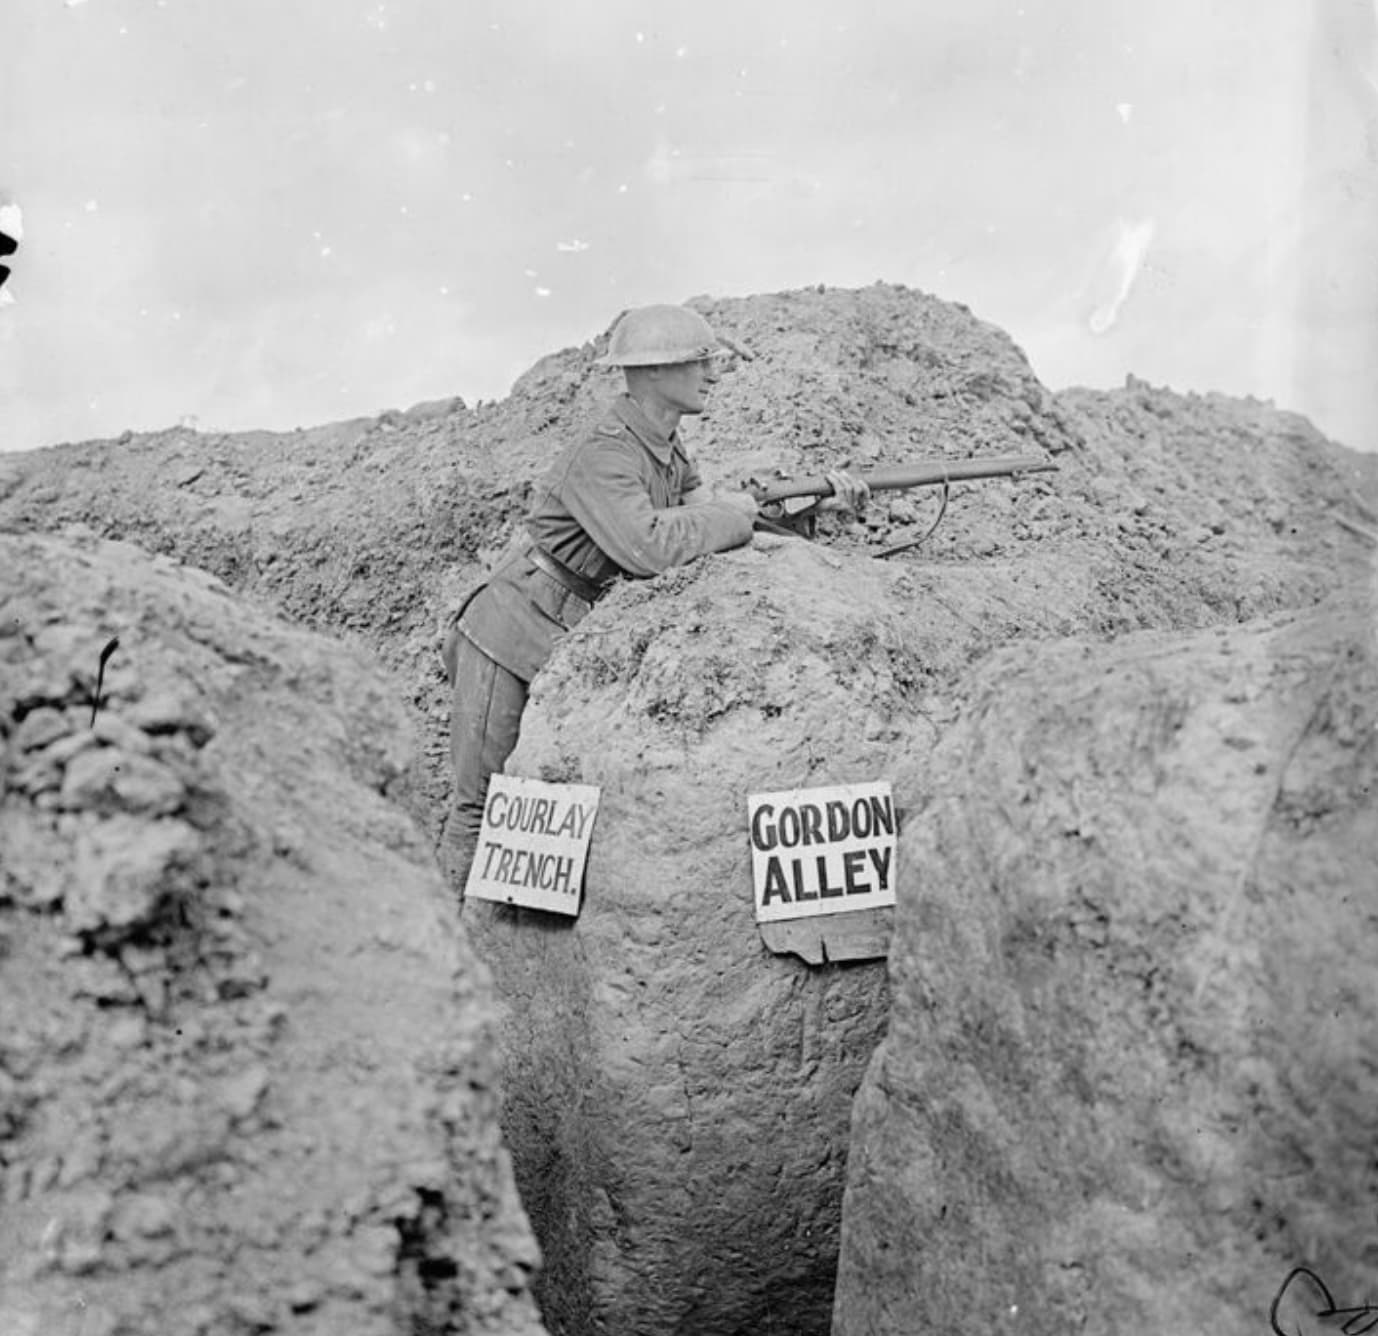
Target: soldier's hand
x=849, y=493
x=742, y=501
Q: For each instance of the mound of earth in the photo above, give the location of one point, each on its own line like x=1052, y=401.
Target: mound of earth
x=1132, y=1059
x=778, y=666
x=246, y=1072
x=372, y=529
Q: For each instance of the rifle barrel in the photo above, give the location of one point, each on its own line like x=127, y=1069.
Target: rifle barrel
x=923, y=473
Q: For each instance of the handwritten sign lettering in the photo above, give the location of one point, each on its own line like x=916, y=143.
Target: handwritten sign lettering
x=533, y=844
x=822, y=851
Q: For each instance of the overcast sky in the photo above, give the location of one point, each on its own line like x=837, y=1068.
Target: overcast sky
x=269, y=213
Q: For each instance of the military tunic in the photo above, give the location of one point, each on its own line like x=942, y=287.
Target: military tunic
x=610, y=506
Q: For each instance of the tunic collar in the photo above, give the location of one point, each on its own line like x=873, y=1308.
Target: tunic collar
x=645, y=431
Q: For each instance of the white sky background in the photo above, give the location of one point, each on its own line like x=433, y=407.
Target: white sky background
x=270, y=213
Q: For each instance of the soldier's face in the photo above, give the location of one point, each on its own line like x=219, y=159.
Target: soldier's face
x=685, y=385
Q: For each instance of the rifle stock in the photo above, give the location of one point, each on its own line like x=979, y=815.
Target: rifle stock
x=922, y=473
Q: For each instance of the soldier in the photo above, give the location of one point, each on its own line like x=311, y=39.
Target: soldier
x=623, y=500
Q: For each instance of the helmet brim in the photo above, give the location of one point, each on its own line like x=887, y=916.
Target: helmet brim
x=674, y=357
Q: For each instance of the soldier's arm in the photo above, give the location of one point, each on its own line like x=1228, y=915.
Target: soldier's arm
x=603, y=490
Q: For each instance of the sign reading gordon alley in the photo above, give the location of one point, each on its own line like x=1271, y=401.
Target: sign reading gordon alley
x=533, y=844
x=822, y=851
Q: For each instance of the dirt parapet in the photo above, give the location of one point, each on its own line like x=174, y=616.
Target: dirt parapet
x=1129, y=1074
x=245, y=1070
x=371, y=529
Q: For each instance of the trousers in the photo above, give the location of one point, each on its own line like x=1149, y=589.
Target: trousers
x=485, y=720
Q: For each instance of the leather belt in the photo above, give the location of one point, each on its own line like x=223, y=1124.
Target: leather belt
x=561, y=574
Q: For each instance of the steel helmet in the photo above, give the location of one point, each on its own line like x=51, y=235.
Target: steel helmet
x=660, y=336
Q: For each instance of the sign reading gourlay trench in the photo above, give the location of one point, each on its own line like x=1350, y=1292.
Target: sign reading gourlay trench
x=822, y=851
x=533, y=844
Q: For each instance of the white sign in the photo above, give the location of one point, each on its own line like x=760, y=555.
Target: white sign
x=533, y=844
x=822, y=851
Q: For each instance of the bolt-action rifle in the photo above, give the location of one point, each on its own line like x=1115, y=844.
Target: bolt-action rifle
x=900, y=477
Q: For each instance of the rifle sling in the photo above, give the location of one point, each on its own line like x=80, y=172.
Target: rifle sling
x=932, y=529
